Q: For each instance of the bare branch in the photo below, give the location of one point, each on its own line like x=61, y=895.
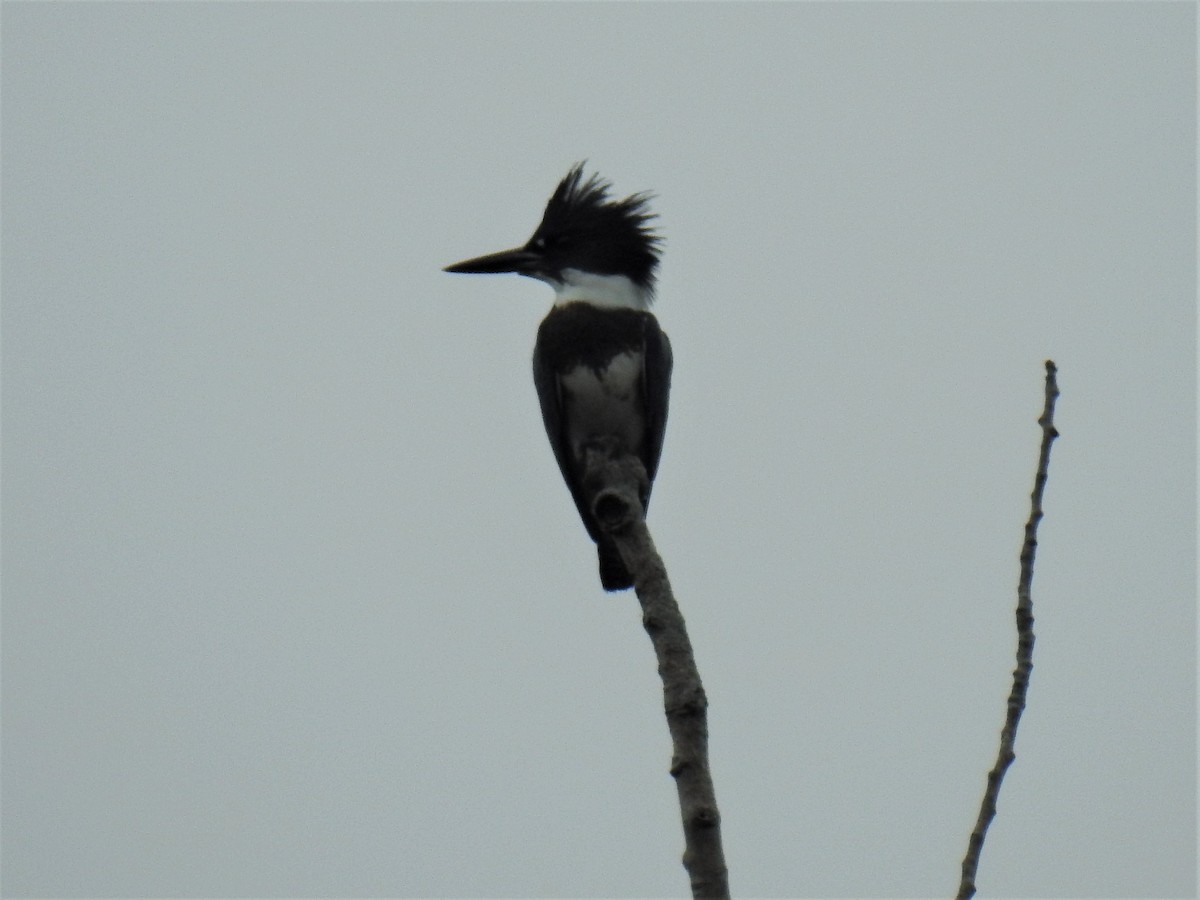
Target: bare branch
x=1016, y=698
x=615, y=482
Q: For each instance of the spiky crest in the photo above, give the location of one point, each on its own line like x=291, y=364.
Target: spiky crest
x=583, y=228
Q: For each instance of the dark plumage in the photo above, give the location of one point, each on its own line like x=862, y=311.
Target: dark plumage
x=579, y=335
x=601, y=364
x=583, y=229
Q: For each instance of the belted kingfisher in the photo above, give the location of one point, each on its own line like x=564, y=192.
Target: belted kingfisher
x=601, y=364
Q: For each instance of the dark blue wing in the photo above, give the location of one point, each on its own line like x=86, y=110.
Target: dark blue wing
x=549, y=392
x=656, y=392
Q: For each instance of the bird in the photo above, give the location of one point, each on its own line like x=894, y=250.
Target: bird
x=601, y=363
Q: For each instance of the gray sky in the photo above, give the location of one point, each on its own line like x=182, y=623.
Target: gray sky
x=295, y=601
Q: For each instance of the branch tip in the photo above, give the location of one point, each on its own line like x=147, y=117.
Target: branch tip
x=617, y=487
x=1025, y=642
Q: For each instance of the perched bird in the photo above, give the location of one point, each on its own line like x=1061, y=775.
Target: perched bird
x=601, y=364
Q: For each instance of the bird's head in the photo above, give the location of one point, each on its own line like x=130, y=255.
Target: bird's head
x=585, y=238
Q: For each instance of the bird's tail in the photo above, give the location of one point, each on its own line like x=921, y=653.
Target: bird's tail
x=614, y=575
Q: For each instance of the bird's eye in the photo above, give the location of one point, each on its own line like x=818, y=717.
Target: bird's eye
x=543, y=243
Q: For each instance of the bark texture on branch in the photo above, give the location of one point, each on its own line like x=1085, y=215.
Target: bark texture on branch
x=616, y=485
x=1016, y=698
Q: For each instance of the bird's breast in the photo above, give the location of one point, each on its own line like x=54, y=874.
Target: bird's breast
x=604, y=401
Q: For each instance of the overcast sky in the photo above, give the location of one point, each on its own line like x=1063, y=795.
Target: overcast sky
x=295, y=602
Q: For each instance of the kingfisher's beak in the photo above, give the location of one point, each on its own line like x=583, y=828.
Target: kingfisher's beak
x=518, y=260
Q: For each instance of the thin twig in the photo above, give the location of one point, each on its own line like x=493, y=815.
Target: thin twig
x=619, y=510
x=1016, y=698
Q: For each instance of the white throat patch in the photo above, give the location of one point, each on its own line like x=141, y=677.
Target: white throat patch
x=599, y=290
